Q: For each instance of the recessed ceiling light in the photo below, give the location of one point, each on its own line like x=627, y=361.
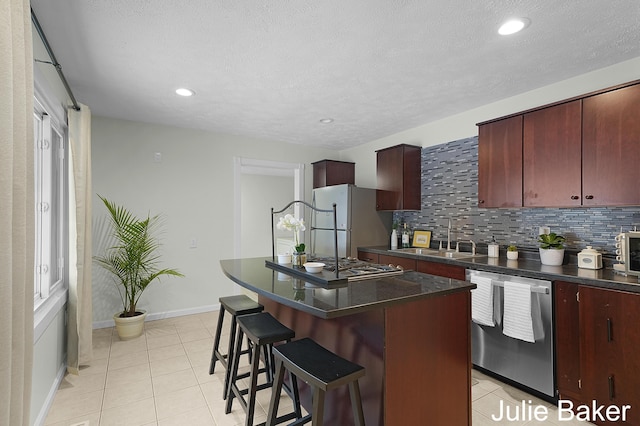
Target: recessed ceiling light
x=326, y=120
x=185, y=92
x=512, y=26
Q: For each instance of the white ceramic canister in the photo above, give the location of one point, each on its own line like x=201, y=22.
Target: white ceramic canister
x=589, y=259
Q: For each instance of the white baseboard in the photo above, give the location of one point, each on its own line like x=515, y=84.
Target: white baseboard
x=44, y=410
x=163, y=315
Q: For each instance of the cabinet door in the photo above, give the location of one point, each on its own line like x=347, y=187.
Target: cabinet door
x=398, y=176
x=567, y=331
x=331, y=172
x=441, y=270
x=611, y=148
x=500, y=163
x=552, y=149
x=609, y=346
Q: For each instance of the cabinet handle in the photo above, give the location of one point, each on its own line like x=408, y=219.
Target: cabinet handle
x=575, y=197
x=480, y=201
x=589, y=197
x=609, y=330
x=611, y=388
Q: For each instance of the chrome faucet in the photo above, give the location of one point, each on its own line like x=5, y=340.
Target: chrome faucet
x=449, y=235
x=473, y=247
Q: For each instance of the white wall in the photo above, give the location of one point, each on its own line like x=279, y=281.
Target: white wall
x=464, y=125
x=192, y=187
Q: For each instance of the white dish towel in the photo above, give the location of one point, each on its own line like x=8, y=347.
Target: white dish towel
x=482, y=301
x=516, y=321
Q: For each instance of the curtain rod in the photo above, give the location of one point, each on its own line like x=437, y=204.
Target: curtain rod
x=54, y=61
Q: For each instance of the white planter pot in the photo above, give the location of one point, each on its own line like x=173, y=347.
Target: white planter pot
x=129, y=327
x=512, y=255
x=551, y=257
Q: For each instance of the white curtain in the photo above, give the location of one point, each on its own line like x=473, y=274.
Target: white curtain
x=17, y=221
x=79, y=327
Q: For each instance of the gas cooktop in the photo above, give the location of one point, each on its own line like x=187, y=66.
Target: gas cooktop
x=349, y=269
x=354, y=269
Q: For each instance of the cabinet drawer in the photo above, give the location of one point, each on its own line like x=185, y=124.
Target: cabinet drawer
x=405, y=262
x=368, y=257
x=441, y=269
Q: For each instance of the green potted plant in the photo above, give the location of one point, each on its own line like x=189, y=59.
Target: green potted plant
x=133, y=260
x=512, y=252
x=551, y=249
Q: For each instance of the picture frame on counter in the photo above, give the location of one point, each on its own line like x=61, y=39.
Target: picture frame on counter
x=421, y=239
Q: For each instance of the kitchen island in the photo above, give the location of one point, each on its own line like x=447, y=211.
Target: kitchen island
x=411, y=332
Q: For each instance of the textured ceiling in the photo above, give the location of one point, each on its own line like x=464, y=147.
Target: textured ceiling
x=271, y=69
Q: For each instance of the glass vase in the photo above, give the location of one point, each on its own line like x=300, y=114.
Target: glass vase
x=298, y=259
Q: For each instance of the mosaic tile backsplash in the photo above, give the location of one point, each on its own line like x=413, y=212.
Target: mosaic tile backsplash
x=450, y=191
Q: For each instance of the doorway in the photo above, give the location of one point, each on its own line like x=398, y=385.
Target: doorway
x=260, y=185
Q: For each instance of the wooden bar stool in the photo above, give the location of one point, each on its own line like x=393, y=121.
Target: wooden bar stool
x=235, y=306
x=322, y=370
x=263, y=330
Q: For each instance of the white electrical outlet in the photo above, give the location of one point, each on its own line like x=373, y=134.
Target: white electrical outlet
x=157, y=157
x=193, y=243
x=544, y=230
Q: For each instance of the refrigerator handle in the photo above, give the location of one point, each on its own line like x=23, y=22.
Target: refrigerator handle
x=335, y=235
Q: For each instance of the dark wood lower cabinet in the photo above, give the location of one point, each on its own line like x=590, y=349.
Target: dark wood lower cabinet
x=567, y=339
x=424, y=266
x=441, y=269
x=368, y=257
x=405, y=262
x=416, y=355
x=605, y=327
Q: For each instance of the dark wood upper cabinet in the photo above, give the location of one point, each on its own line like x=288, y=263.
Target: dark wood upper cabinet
x=332, y=172
x=500, y=163
x=580, y=152
x=398, y=174
x=552, y=156
x=611, y=147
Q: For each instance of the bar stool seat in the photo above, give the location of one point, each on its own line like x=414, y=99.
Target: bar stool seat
x=235, y=306
x=262, y=330
x=322, y=370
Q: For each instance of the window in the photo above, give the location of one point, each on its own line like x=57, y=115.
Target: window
x=49, y=182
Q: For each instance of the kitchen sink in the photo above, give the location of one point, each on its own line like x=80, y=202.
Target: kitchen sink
x=438, y=253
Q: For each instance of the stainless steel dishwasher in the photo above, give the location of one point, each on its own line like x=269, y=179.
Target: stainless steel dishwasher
x=530, y=364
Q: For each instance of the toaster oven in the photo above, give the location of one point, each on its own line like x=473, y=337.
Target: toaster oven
x=632, y=253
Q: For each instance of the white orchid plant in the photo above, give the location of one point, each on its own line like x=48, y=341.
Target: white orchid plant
x=290, y=223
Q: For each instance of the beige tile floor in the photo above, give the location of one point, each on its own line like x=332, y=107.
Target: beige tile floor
x=165, y=374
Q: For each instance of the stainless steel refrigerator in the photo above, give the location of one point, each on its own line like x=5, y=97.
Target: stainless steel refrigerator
x=358, y=222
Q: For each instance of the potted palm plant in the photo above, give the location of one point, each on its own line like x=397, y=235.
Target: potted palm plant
x=551, y=249
x=133, y=260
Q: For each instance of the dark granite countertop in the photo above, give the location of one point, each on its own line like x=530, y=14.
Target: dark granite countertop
x=354, y=297
x=529, y=266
